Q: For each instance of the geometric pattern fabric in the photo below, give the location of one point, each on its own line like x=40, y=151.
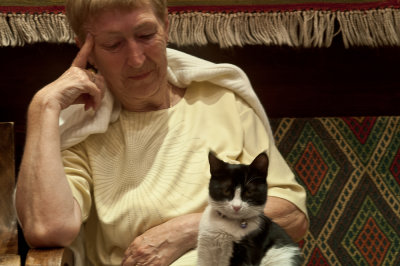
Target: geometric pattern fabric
x=350, y=167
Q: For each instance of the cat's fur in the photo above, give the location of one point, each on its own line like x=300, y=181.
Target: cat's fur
x=233, y=229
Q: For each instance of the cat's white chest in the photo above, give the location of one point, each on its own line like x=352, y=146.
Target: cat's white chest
x=216, y=237
x=236, y=229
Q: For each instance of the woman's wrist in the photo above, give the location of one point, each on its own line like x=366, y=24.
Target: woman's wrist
x=288, y=216
x=188, y=227
x=43, y=103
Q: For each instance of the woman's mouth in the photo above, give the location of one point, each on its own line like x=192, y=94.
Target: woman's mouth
x=139, y=76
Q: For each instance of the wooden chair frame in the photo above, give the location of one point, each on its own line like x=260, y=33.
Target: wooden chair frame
x=8, y=220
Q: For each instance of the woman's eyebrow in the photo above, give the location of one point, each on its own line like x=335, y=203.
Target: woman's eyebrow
x=105, y=36
x=145, y=25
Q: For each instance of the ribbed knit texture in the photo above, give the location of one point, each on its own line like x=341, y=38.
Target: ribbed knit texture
x=150, y=167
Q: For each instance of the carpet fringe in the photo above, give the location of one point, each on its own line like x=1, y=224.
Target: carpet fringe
x=21, y=29
x=309, y=28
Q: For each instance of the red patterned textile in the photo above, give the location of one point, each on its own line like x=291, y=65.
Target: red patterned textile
x=293, y=6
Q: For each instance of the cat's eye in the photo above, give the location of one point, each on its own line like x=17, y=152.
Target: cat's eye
x=248, y=193
x=226, y=192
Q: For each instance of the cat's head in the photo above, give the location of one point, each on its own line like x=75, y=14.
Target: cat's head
x=238, y=191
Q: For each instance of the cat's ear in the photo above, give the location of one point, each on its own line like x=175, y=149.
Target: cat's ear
x=260, y=164
x=215, y=163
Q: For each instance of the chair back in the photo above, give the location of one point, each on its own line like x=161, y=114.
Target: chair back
x=8, y=220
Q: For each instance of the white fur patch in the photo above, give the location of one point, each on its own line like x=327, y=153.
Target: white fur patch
x=280, y=256
x=216, y=237
x=214, y=246
x=237, y=200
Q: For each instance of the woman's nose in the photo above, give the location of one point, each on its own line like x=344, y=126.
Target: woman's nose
x=135, y=54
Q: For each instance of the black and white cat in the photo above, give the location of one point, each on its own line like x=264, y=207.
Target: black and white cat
x=233, y=229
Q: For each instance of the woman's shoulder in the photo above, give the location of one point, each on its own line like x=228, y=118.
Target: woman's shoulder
x=212, y=93
x=207, y=90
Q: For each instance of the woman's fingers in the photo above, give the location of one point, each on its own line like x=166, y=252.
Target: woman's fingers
x=77, y=85
x=92, y=89
x=99, y=91
x=82, y=57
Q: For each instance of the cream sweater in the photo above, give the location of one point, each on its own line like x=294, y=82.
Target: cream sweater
x=149, y=167
x=183, y=69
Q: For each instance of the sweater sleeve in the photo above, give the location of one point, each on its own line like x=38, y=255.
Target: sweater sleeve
x=77, y=170
x=281, y=180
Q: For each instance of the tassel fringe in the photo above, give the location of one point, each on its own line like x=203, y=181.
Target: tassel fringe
x=21, y=29
x=311, y=28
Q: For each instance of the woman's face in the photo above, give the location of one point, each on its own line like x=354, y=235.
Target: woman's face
x=130, y=52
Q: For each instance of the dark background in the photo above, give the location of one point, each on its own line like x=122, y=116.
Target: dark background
x=291, y=82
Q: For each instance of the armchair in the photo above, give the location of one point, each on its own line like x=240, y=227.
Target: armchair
x=8, y=220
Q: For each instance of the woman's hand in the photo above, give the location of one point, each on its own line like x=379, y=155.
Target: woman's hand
x=163, y=244
x=76, y=85
x=288, y=216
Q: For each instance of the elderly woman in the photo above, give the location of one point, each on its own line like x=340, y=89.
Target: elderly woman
x=135, y=190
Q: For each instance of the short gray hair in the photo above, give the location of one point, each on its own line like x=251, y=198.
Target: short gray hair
x=79, y=12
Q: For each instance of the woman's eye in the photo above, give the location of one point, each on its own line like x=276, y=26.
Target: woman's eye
x=147, y=36
x=112, y=46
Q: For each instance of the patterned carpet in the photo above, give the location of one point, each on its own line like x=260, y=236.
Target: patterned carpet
x=351, y=169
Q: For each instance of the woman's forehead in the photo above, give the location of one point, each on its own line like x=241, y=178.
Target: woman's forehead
x=116, y=21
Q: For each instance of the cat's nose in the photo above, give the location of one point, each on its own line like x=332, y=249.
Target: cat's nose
x=236, y=208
